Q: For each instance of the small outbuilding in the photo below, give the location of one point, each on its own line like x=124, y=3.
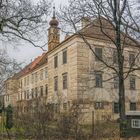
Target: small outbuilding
x=133, y=123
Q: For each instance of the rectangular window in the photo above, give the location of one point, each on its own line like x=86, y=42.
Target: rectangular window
x=25, y=96
x=132, y=82
x=135, y=123
x=116, y=82
x=20, y=96
x=27, y=80
x=21, y=83
x=28, y=95
x=98, y=79
x=46, y=72
x=36, y=77
x=64, y=56
x=55, y=107
x=55, y=83
x=36, y=92
x=115, y=57
x=65, y=81
x=32, y=93
x=56, y=61
x=65, y=106
x=116, y=108
x=46, y=89
x=41, y=74
x=32, y=78
x=41, y=91
x=99, y=105
x=98, y=52
x=132, y=106
x=131, y=59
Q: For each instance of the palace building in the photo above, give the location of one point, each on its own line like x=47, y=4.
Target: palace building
x=70, y=72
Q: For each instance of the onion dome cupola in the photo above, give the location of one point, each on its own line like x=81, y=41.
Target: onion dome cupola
x=53, y=32
x=54, y=22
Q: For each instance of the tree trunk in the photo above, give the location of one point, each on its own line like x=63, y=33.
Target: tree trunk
x=121, y=79
x=117, y=20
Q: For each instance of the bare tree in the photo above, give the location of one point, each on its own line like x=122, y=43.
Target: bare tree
x=118, y=25
x=8, y=67
x=24, y=20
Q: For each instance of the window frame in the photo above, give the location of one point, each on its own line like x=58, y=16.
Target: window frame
x=116, y=82
x=32, y=93
x=99, y=105
x=64, y=56
x=115, y=57
x=133, y=106
x=56, y=83
x=131, y=59
x=46, y=72
x=65, y=106
x=116, y=110
x=41, y=74
x=132, y=82
x=55, y=61
x=134, y=123
x=46, y=89
x=41, y=90
x=36, y=92
x=99, y=53
x=98, y=79
x=65, y=80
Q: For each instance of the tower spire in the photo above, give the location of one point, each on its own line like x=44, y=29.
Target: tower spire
x=54, y=11
x=53, y=32
x=54, y=22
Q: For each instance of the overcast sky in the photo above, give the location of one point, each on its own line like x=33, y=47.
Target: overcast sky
x=26, y=53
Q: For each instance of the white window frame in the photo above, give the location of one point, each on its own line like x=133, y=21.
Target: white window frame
x=135, y=122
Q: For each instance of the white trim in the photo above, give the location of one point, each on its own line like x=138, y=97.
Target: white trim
x=135, y=123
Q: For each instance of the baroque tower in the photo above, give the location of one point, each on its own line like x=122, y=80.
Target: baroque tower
x=53, y=32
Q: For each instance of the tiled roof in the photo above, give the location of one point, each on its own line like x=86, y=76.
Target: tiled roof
x=104, y=29
x=40, y=60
